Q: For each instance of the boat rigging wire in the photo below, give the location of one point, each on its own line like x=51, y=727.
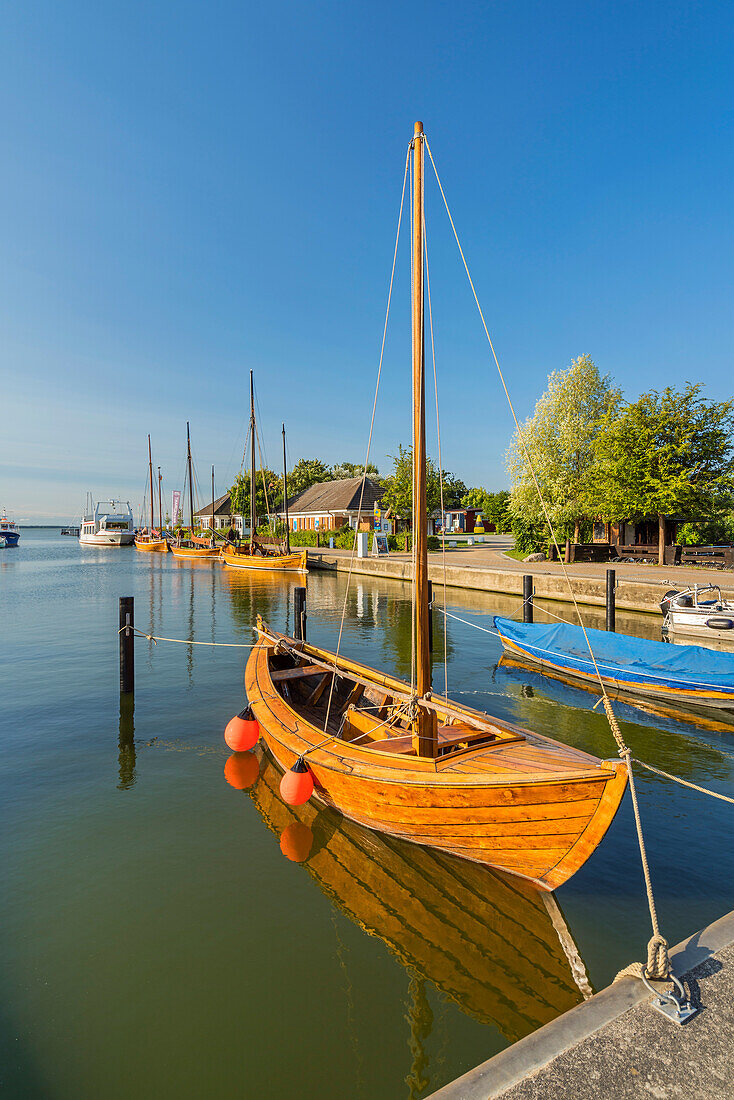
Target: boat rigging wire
x=369, y=439
x=658, y=961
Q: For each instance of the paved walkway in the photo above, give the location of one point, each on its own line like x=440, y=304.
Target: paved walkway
x=490, y=556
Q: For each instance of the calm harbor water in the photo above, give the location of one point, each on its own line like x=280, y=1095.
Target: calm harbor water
x=161, y=937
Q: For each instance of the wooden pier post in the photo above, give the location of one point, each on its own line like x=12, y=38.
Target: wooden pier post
x=430, y=617
x=527, y=599
x=299, y=613
x=611, y=608
x=127, y=644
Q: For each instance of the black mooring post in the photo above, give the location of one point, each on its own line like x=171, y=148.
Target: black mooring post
x=430, y=617
x=611, y=609
x=527, y=599
x=299, y=613
x=127, y=644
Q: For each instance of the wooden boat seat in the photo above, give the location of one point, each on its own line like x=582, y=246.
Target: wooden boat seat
x=278, y=675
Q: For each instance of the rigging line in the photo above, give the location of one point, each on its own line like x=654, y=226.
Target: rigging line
x=413, y=622
x=658, y=961
x=520, y=433
x=262, y=472
x=369, y=439
x=440, y=461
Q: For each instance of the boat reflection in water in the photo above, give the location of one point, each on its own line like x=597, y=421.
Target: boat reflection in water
x=492, y=943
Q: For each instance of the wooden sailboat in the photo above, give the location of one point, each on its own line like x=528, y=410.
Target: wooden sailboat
x=499, y=948
x=406, y=762
x=193, y=547
x=260, y=553
x=151, y=540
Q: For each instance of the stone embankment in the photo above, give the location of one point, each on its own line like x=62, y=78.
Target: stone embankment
x=488, y=569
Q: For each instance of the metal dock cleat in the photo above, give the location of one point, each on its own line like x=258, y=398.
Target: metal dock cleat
x=675, y=1006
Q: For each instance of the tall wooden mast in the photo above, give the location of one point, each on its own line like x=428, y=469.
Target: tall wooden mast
x=285, y=499
x=160, y=503
x=425, y=734
x=212, y=500
x=191, y=487
x=252, y=466
x=150, y=468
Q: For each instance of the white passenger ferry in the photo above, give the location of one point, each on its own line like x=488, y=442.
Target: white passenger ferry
x=111, y=524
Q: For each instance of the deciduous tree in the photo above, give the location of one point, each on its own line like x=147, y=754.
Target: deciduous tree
x=668, y=453
x=560, y=438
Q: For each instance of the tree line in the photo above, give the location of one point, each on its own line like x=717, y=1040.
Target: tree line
x=398, y=486
x=595, y=455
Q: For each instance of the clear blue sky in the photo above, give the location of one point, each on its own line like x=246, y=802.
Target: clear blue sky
x=190, y=190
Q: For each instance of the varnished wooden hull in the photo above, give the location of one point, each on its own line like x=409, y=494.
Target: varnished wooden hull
x=195, y=553
x=152, y=546
x=297, y=562
x=495, y=945
x=534, y=808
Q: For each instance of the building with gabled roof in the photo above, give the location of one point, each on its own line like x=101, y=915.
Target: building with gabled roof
x=329, y=505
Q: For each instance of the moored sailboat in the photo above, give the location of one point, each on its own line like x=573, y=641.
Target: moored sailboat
x=397, y=758
x=152, y=540
x=193, y=547
x=260, y=553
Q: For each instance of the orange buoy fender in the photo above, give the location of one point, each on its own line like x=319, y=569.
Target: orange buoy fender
x=242, y=731
x=296, y=786
x=296, y=842
x=241, y=770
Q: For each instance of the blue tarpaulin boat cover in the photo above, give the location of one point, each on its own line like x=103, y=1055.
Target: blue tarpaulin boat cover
x=620, y=657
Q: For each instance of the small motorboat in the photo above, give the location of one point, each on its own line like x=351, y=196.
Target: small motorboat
x=686, y=613
x=680, y=674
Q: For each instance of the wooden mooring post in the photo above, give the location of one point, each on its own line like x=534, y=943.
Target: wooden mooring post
x=127, y=644
x=527, y=599
x=611, y=607
x=299, y=613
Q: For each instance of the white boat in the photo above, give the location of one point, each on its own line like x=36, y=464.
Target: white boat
x=110, y=524
x=686, y=613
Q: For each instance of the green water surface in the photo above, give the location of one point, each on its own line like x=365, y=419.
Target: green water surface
x=156, y=939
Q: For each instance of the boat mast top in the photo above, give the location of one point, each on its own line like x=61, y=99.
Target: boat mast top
x=191, y=486
x=150, y=468
x=425, y=732
x=160, y=504
x=285, y=499
x=252, y=465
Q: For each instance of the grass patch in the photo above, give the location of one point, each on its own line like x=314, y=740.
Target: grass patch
x=516, y=554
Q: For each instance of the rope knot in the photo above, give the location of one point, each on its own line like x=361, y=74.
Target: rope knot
x=658, y=961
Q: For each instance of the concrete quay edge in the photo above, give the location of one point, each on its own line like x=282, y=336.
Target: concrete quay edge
x=536, y=1051
x=631, y=595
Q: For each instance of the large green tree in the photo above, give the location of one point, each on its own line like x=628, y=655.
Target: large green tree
x=399, y=486
x=559, y=438
x=239, y=493
x=305, y=473
x=668, y=453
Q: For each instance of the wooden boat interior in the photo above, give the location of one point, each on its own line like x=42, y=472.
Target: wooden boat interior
x=370, y=711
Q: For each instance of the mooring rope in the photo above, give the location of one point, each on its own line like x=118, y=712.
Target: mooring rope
x=155, y=638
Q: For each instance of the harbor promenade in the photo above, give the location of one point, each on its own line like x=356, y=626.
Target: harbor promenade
x=486, y=567
x=617, y=1045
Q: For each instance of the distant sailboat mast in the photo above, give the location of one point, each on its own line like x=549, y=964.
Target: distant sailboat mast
x=150, y=470
x=252, y=466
